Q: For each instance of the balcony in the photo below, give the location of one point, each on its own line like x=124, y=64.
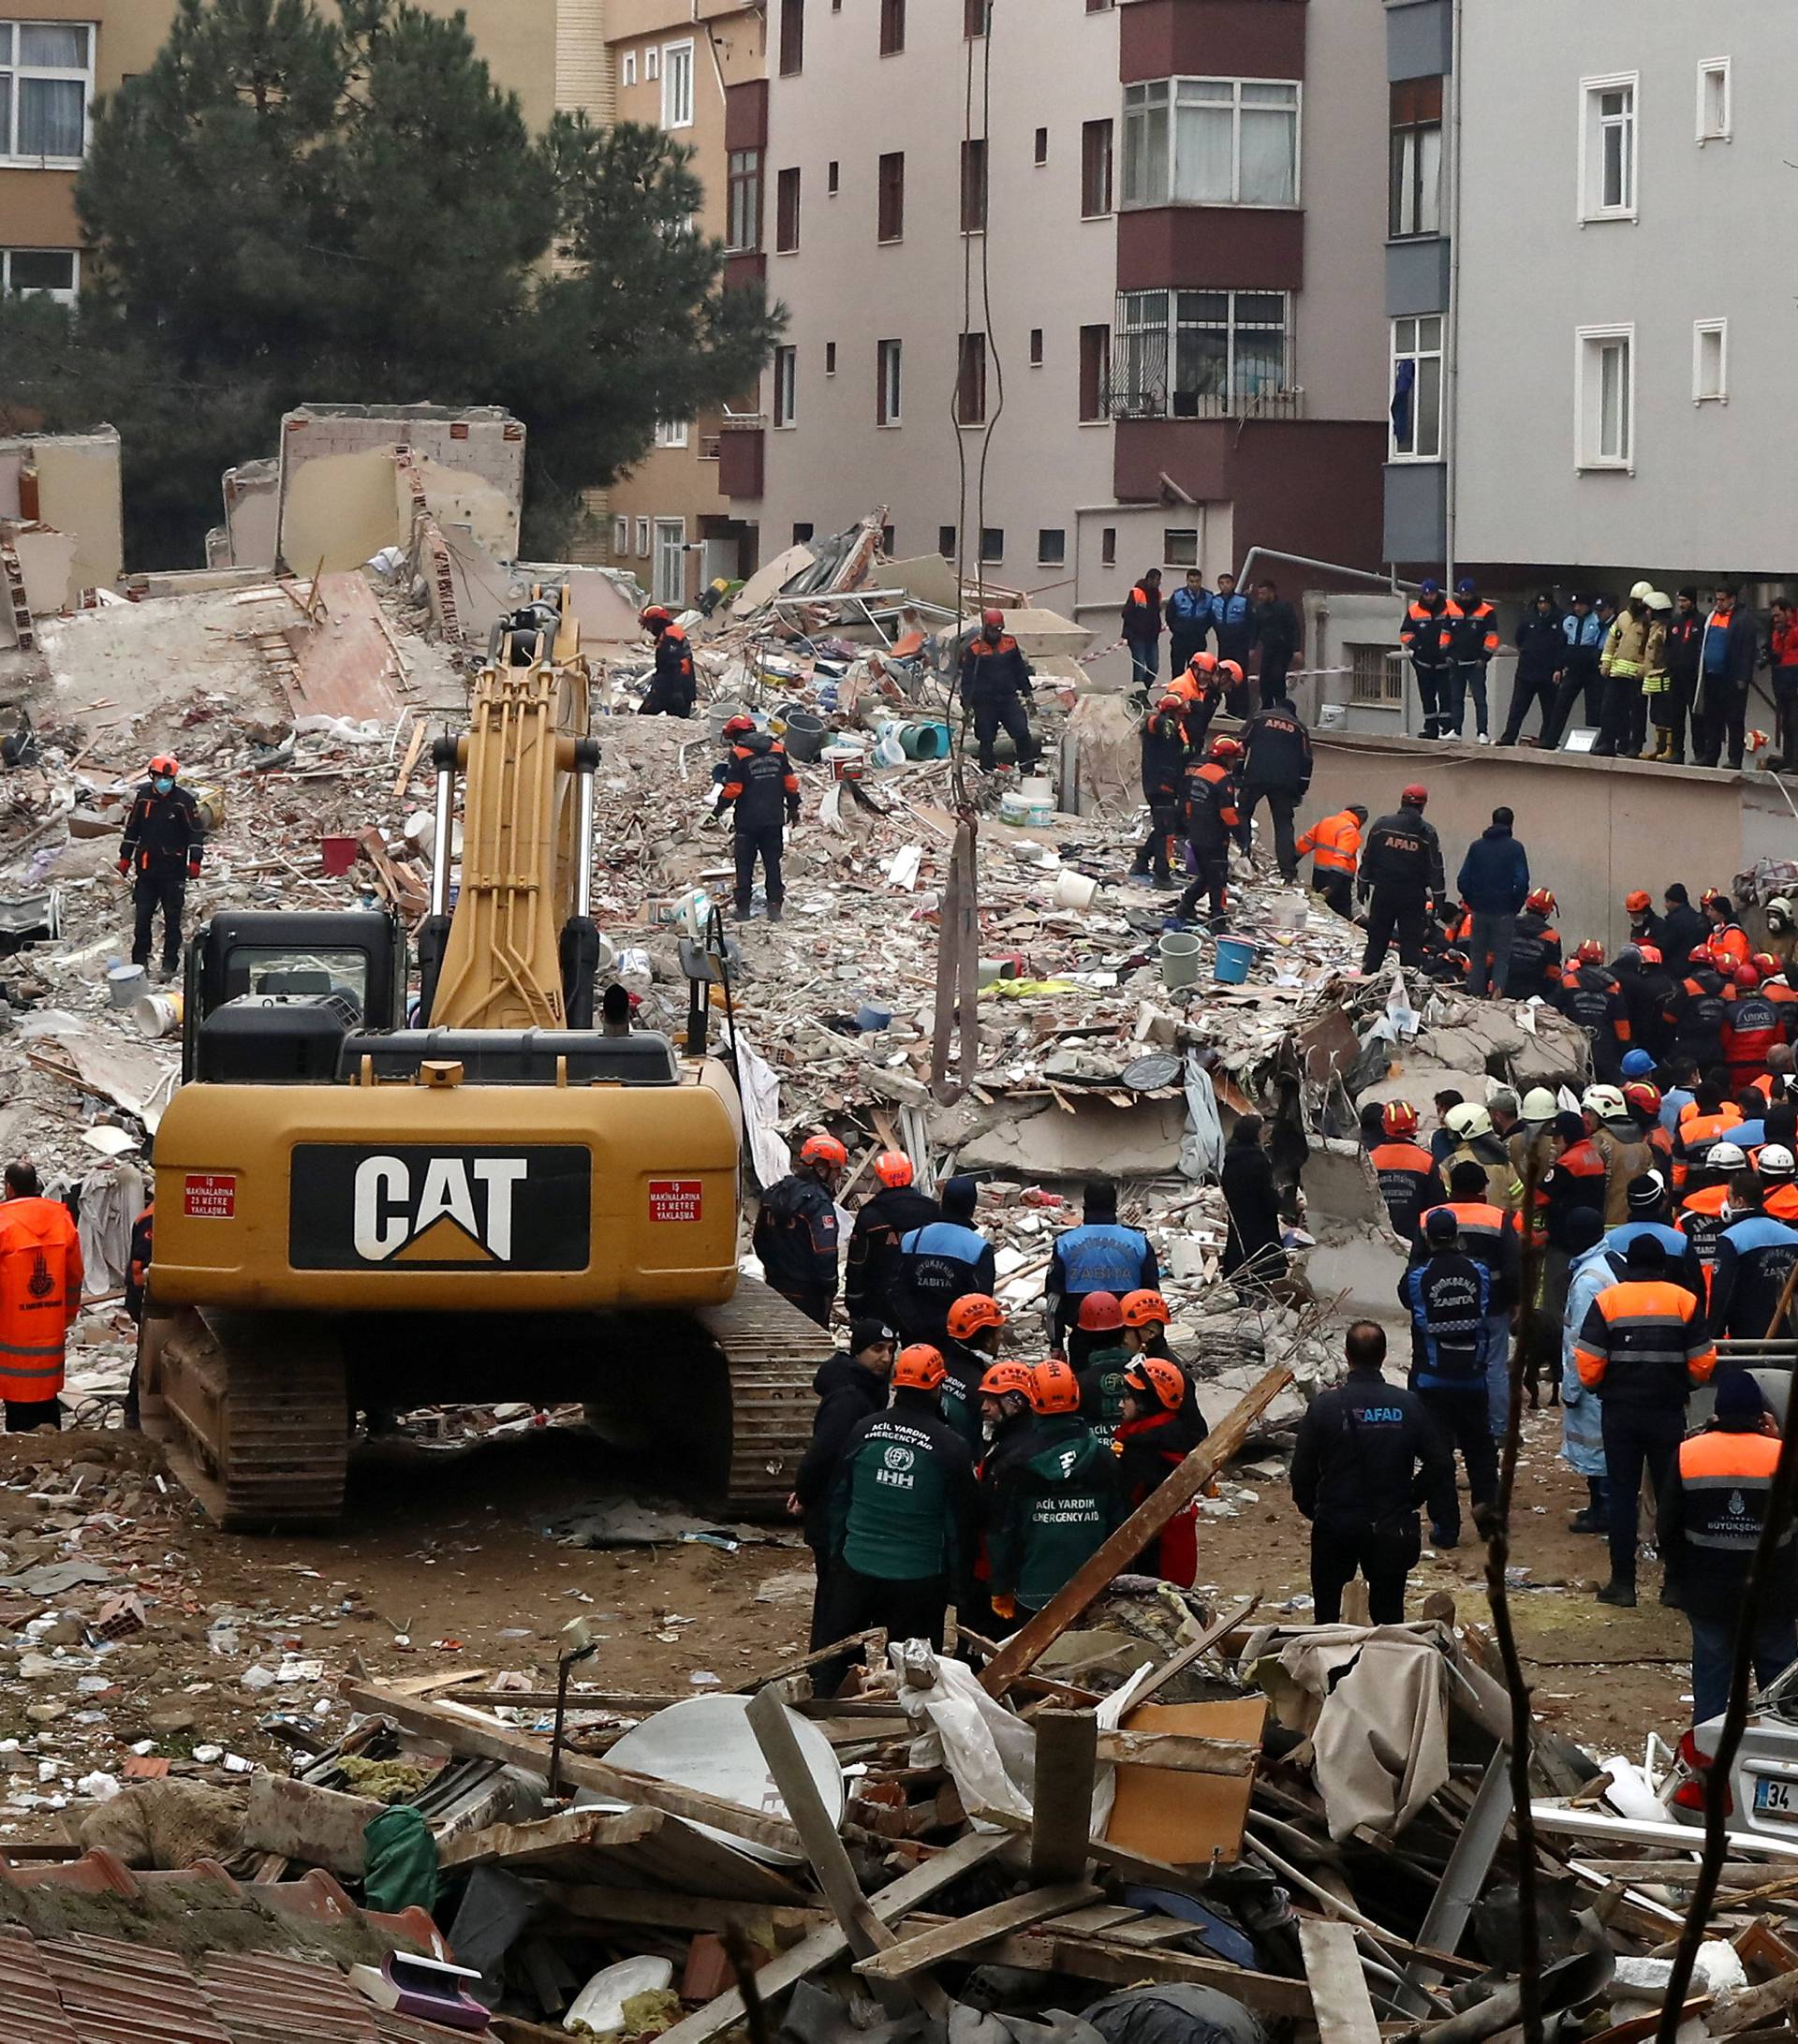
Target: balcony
x=1154, y=402
x=742, y=454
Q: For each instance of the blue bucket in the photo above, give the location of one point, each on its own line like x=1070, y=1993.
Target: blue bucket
x=1233, y=961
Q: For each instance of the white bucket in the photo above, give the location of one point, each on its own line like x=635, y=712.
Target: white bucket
x=1037, y=789
x=719, y=716
x=158, y=1014
x=1018, y=808
x=1288, y=915
x=1074, y=889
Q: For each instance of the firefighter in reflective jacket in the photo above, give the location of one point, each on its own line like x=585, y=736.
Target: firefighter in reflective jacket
x=1713, y=1508
x=1332, y=844
x=1410, y=1182
x=1705, y=1124
x=796, y=1231
x=1752, y=1024
x=40, y=1298
x=674, y=690
x=1535, y=948
x=759, y=782
x=996, y=683
x=1164, y=759
x=1212, y=819
x=1401, y=875
x=1592, y=1001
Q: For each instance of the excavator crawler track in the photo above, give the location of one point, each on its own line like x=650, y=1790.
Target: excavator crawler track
x=771, y=1353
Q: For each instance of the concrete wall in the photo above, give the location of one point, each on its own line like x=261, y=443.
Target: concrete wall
x=251, y=513
x=79, y=495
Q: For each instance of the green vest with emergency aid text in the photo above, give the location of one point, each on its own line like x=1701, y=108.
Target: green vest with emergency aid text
x=898, y=1524
x=1101, y=1391
x=1062, y=1503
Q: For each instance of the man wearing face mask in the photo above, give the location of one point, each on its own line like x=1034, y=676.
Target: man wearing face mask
x=161, y=851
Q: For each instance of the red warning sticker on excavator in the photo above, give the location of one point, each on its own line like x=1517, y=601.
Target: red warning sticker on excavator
x=211, y=1197
x=674, y=1198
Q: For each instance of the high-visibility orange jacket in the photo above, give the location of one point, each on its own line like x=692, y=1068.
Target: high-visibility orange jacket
x=1702, y=1219
x=1334, y=843
x=1712, y=1510
x=1692, y=1145
x=1644, y=1344
x=1733, y=938
x=40, y=1296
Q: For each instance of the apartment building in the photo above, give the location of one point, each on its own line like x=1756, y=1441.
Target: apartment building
x=1126, y=255
x=1590, y=326
x=682, y=65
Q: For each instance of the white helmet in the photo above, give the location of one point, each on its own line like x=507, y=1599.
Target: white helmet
x=1539, y=1105
x=1782, y=907
x=1728, y=1156
x=1773, y=1161
x=1468, y=1121
x=1658, y=600
x=1642, y=592
x=1606, y=1102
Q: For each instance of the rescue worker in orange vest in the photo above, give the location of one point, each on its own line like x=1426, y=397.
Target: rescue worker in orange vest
x=1752, y=1025
x=1591, y=1000
x=1332, y=844
x=996, y=685
x=1727, y=936
x=1212, y=819
x=1473, y=639
x=1784, y=996
x=40, y=1298
x=1713, y=1509
x=1164, y=760
x=1708, y=1119
x=1703, y=1215
x=1426, y=636
x=1142, y=629
x=1199, y=687
x=674, y=689
x=1643, y=1348
x=1409, y=1183
x=1535, y=949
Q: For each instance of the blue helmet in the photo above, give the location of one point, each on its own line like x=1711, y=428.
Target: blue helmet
x=1637, y=1065
x=1430, y=587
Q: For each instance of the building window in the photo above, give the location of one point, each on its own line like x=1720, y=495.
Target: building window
x=1605, y=397
x=1199, y=354
x=670, y=433
x=970, y=382
x=46, y=82
x=1107, y=543
x=786, y=211
x=1036, y=347
x=1414, y=179
x=742, y=200
x=887, y=359
x=890, y=205
x=892, y=27
x=992, y=544
x=1211, y=142
x=621, y=538
x=976, y=16
x=1180, y=545
x=1041, y=155
x=974, y=188
x=829, y=358
x=671, y=561
x=1714, y=100
x=652, y=66
x=832, y=178
x=1710, y=362
x=946, y=542
x=40, y=272
x=1608, y=148
x=1094, y=371
x=628, y=68
x=1095, y=168
x=1052, y=547
x=792, y=37
x=642, y=539
x=786, y=385
x=1099, y=6
x=1417, y=389
x=677, y=85
x=1376, y=675
x=802, y=531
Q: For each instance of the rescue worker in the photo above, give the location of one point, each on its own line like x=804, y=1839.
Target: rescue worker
x=758, y=783
x=1276, y=769
x=1410, y=1182
x=1367, y=1455
x=1232, y=619
x=1592, y=1002
x=1100, y=1254
x=1752, y=1024
x=1777, y=1170
x=1158, y=1427
x=1697, y=1012
x=1646, y=927
x=1656, y=682
x=1682, y=651
x=1643, y=1348
x=1777, y=987
x=1473, y=639
x=1401, y=877
x=1449, y=1298
x=1057, y=1498
x=851, y=1385
x=890, y=1214
x=1487, y=1234
x=1188, y=621
x=1614, y=1133
x=1540, y=648
x=163, y=844
x=1753, y=1256
x=1005, y=1425
x=1494, y=881
x=1711, y=1120
x=40, y=1299
x=1233, y=688
x=996, y=685
x=1703, y=1215
x=1728, y=940
x=1729, y=651
x=674, y=688
x=1535, y=949
x=137, y=1298
x=940, y=1262
x=972, y=1328
x=1647, y=990
x=795, y=1234
x=1647, y=1214
x=1201, y=691
x=1427, y=637
x=902, y=1515
x=1590, y=1271
x=1584, y=630
x=1164, y=760
x=1211, y=819
x=1477, y=1142
x=1622, y=662
x=1142, y=629
x=1643, y=1103
x=1713, y=1509
x=1106, y=1355
x=1332, y=844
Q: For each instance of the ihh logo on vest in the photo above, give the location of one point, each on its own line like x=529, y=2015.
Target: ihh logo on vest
x=412, y=1207
x=896, y=1469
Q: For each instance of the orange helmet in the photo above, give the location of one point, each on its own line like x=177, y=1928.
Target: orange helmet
x=1156, y=1377
x=1591, y=952
x=1100, y=1313
x=1766, y=964
x=1709, y=894
x=1539, y=900
x=1007, y=1376
x=654, y=615
x=1640, y=902
x=1143, y=1309
x=1170, y=705
x=1643, y=1098
x=1747, y=979
x=824, y=1150
x=1398, y=1117
x=920, y=1368
x=1205, y=663
x=1225, y=748
x=1053, y=1388
x=969, y=1314
x=1649, y=954
x=165, y=762
x=892, y=1167
x=1231, y=669
x=1722, y=958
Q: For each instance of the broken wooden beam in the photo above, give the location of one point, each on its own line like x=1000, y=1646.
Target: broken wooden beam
x=979, y=1927
x=1061, y=1794
x=1179, y=1751
x=1342, y=2007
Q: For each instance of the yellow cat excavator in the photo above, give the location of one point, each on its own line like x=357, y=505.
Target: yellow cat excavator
x=359, y=1210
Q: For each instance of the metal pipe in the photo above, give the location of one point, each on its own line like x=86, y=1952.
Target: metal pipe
x=443, y=840
x=1392, y=583
x=583, y=848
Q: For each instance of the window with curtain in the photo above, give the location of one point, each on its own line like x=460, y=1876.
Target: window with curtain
x=1197, y=354
x=1414, y=179
x=1211, y=142
x=46, y=77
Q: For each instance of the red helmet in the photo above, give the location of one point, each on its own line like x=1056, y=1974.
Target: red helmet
x=1053, y=1388
x=1156, y=1377
x=970, y=1314
x=920, y=1368
x=824, y=1150
x=1415, y=796
x=1539, y=900
x=1100, y=1313
x=739, y=727
x=1143, y=1309
x=992, y=617
x=1206, y=663
x=1231, y=669
x=1640, y=902
x=1643, y=1098
x=1007, y=1376
x=892, y=1167
x=1170, y=705
x=1766, y=964
x=1225, y=748
x=1591, y=952
x=1747, y=979
x=165, y=762
x=1649, y=954
x=1709, y=894
x=1722, y=958
x=653, y=614
x=1398, y=1117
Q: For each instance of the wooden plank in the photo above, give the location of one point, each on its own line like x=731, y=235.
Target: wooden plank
x=910, y=1955
x=1105, y=1916
x=1020, y=1653
x=1122, y=1965
x=317, y=1827
x=1181, y=1752
x=653, y=1910
x=1062, y=1795
x=804, y=1661
x=1225, y=1621
x=637, y=1849
x=1341, y=2005
x=470, y=1731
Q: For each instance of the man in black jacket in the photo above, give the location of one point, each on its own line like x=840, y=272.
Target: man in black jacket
x=1542, y=646
x=1368, y=1454
x=675, y=687
x=1401, y=874
x=1728, y=650
x=759, y=782
x=1448, y=1297
x=1277, y=769
x=796, y=1229
x=161, y=850
x=893, y=1212
x=850, y=1387
x=996, y=685
x=1278, y=632
x=1685, y=642
x=1253, y=1254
